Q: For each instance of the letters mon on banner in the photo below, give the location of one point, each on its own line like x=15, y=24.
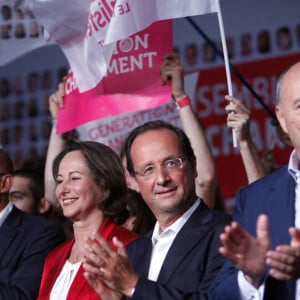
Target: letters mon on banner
x=133, y=81
x=90, y=49
x=86, y=30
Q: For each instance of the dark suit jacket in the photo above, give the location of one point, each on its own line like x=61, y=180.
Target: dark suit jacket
x=25, y=241
x=191, y=263
x=273, y=195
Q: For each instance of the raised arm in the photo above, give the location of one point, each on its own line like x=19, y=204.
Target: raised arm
x=172, y=72
x=56, y=143
x=238, y=118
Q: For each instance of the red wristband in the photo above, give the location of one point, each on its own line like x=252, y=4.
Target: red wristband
x=182, y=102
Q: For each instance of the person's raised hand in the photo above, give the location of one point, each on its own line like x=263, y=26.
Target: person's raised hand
x=246, y=252
x=56, y=100
x=285, y=259
x=238, y=118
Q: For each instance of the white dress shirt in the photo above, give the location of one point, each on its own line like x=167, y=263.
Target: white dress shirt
x=5, y=212
x=64, y=280
x=162, y=242
x=248, y=291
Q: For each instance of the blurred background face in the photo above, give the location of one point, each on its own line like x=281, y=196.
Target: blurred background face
x=191, y=55
x=284, y=40
x=21, y=196
x=246, y=44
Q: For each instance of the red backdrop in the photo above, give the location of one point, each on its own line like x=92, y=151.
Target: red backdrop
x=210, y=91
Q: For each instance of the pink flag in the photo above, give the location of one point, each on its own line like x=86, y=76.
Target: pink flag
x=110, y=75
x=87, y=30
x=133, y=80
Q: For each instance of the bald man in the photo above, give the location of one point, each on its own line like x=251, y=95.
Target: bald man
x=25, y=241
x=263, y=244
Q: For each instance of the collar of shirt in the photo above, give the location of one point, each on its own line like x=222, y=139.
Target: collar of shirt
x=5, y=212
x=293, y=166
x=293, y=169
x=174, y=228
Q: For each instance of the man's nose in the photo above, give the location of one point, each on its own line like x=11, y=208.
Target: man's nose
x=161, y=175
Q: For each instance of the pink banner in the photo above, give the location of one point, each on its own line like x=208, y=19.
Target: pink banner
x=132, y=82
x=88, y=30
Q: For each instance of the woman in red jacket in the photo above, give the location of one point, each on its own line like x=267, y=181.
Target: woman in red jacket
x=91, y=189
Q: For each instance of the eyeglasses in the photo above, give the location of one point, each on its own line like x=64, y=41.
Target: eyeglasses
x=169, y=165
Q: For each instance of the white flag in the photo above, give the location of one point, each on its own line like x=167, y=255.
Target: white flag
x=87, y=31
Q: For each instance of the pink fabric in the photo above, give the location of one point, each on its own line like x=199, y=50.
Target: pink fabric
x=87, y=30
x=134, y=83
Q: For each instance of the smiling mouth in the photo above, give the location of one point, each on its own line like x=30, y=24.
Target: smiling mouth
x=68, y=201
x=164, y=192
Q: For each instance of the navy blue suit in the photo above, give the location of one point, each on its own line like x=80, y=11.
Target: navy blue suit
x=273, y=195
x=25, y=241
x=191, y=263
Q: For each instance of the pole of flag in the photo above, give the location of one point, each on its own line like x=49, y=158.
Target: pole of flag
x=226, y=60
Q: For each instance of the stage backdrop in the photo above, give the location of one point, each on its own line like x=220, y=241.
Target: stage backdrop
x=259, y=50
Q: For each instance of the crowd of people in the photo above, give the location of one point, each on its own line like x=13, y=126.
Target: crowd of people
x=17, y=23
x=247, y=45
x=150, y=222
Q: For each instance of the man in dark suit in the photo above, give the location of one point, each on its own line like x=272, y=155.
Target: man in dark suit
x=264, y=255
x=179, y=258
x=25, y=242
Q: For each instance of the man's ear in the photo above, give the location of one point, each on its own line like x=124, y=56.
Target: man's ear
x=6, y=183
x=195, y=167
x=132, y=182
x=44, y=206
x=281, y=118
x=135, y=185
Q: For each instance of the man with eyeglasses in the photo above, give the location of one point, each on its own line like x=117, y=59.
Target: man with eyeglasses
x=179, y=258
x=25, y=241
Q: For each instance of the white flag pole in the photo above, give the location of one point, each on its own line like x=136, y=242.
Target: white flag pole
x=226, y=61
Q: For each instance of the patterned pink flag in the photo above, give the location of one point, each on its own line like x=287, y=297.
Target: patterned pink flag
x=87, y=30
x=111, y=73
x=132, y=84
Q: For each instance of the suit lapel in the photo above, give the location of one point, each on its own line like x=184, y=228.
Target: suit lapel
x=79, y=283
x=142, y=255
x=188, y=237
x=9, y=229
x=281, y=198
x=80, y=286
x=54, y=265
